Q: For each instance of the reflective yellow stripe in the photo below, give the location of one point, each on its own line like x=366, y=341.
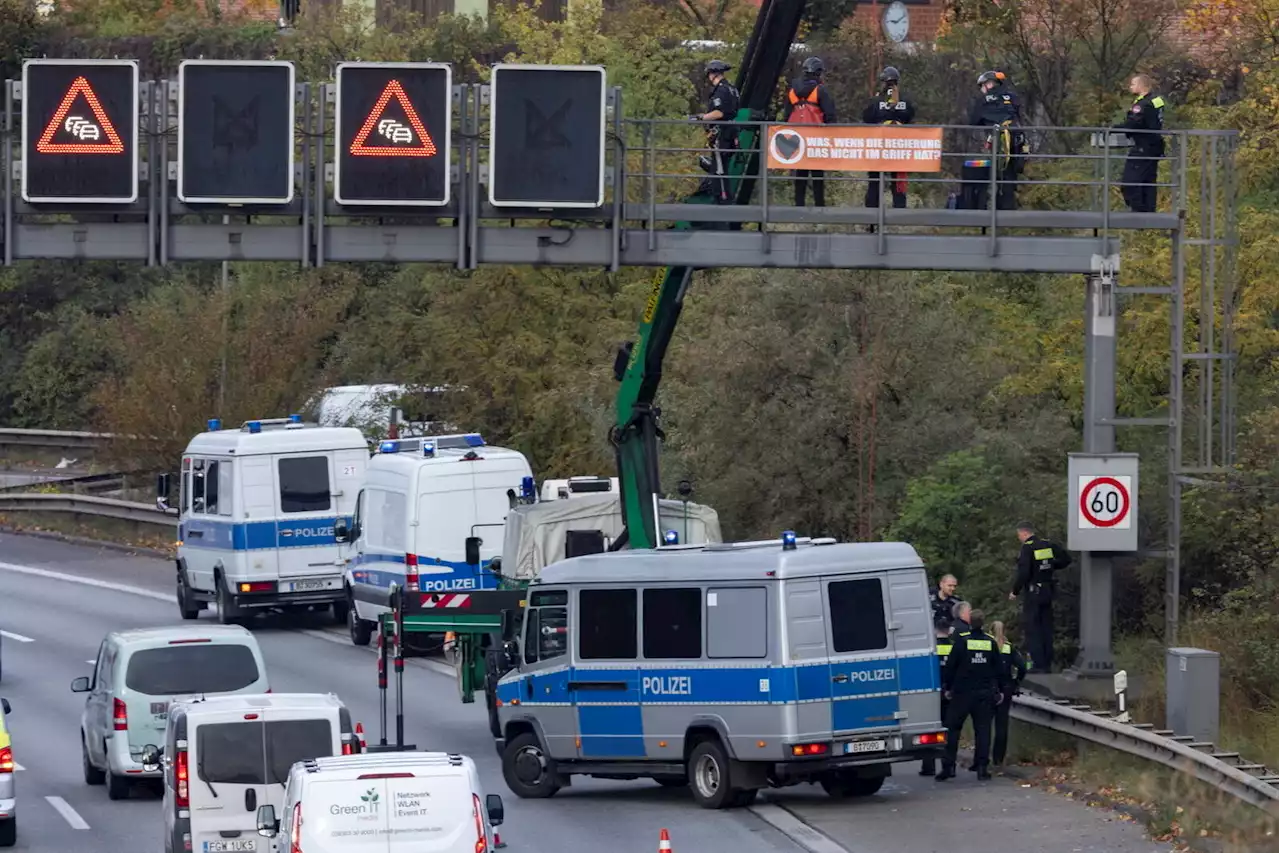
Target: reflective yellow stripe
x=979, y=645
x=1006, y=649
x=1157, y=102
x=943, y=651
x=1043, y=554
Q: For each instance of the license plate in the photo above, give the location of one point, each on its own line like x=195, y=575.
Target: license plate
x=313, y=585
x=864, y=746
x=239, y=844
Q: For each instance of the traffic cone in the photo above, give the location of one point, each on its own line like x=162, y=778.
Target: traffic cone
x=364, y=745
x=664, y=841
x=498, y=843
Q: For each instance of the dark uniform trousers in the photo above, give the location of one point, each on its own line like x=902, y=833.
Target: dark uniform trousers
x=980, y=707
x=1139, y=178
x=1037, y=627
x=819, y=179
x=928, y=766
x=1000, y=744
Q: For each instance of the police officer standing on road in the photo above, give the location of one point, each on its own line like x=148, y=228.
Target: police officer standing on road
x=809, y=102
x=1015, y=669
x=974, y=681
x=722, y=105
x=888, y=106
x=944, y=600
x=996, y=107
x=1143, y=123
x=1034, y=581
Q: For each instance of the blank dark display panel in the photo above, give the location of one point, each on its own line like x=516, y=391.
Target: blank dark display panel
x=547, y=136
x=235, y=138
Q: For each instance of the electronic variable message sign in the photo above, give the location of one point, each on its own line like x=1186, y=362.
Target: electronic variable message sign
x=80, y=131
x=546, y=136
x=393, y=144
x=235, y=132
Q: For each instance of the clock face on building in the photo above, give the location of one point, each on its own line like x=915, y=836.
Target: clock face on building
x=897, y=21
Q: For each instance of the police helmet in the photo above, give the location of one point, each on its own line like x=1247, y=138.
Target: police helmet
x=990, y=77
x=889, y=75
x=812, y=65
x=717, y=66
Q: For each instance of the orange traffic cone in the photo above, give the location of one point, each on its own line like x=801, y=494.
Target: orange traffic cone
x=664, y=841
x=364, y=745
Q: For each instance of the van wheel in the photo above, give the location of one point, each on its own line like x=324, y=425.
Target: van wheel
x=186, y=607
x=709, y=776
x=117, y=786
x=360, y=629
x=527, y=770
x=843, y=785
x=340, y=610
x=8, y=832
x=226, y=610
x=92, y=775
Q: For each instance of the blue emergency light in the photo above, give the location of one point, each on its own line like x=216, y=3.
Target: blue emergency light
x=255, y=426
x=214, y=424
x=474, y=440
x=295, y=419
x=671, y=538
x=429, y=449
x=526, y=487
x=389, y=447
x=788, y=540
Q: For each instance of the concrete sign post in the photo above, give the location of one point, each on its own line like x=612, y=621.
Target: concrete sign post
x=1102, y=501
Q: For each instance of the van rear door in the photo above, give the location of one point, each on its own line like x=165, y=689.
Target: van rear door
x=864, y=666
x=226, y=754
x=305, y=486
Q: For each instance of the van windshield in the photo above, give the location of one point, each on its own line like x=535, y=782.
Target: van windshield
x=247, y=753
x=195, y=668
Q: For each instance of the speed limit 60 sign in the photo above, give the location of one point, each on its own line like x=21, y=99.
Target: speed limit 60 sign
x=1102, y=501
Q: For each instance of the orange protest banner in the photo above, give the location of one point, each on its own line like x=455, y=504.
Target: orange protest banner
x=869, y=148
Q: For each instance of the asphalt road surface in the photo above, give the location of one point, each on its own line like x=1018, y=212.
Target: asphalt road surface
x=52, y=624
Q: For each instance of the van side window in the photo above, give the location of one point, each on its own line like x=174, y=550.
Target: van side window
x=225, y=470
x=531, y=637
x=304, y=484
x=857, y=615
x=673, y=623
x=553, y=632
x=737, y=622
x=607, y=624
x=197, y=485
x=211, y=489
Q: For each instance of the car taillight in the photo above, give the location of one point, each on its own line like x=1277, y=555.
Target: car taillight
x=346, y=748
x=932, y=738
x=180, y=776
x=295, y=832
x=120, y=715
x=482, y=843
x=802, y=749
x=6, y=760
x=258, y=586
x=411, y=573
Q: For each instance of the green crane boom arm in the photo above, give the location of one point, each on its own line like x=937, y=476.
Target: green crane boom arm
x=638, y=367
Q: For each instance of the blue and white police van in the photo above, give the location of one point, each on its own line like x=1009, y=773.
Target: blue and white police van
x=422, y=501
x=256, y=522
x=726, y=667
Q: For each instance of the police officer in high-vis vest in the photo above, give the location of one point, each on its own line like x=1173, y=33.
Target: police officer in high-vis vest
x=974, y=681
x=1015, y=669
x=1035, y=584
x=1143, y=123
x=944, y=617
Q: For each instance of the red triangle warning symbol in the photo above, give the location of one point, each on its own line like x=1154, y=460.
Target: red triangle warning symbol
x=417, y=142
x=92, y=136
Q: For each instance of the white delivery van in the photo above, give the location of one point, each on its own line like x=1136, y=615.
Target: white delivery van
x=421, y=501
x=256, y=528
x=225, y=757
x=389, y=802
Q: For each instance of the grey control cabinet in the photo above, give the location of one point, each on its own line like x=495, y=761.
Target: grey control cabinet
x=1191, y=693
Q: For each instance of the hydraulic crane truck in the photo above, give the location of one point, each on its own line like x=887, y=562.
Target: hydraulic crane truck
x=490, y=616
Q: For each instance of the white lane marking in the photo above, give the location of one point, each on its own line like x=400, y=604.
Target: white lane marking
x=92, y=662
x=792, y=827
x=68, y=814
x=84, y=581
x=340, y=639
x=18, y=637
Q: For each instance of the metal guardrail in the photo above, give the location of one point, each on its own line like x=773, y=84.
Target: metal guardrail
x=52, y=439
x=1176, y=753
x=138, y=513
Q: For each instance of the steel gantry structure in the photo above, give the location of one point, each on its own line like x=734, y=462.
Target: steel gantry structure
x=649, y=167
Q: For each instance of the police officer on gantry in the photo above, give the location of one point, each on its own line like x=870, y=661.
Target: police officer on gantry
x=1035, y=583
x=722, y=105
x=996, y=107
x=1143, y=123
x=809, y=102
x=888, y=106
x=973, y=680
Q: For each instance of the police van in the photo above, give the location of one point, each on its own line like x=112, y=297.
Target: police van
x=428, y=518
x=256, y=525
x=727, y=667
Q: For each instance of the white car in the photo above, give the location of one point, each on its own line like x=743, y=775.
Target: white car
x=391, y=802
x=137, y=674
